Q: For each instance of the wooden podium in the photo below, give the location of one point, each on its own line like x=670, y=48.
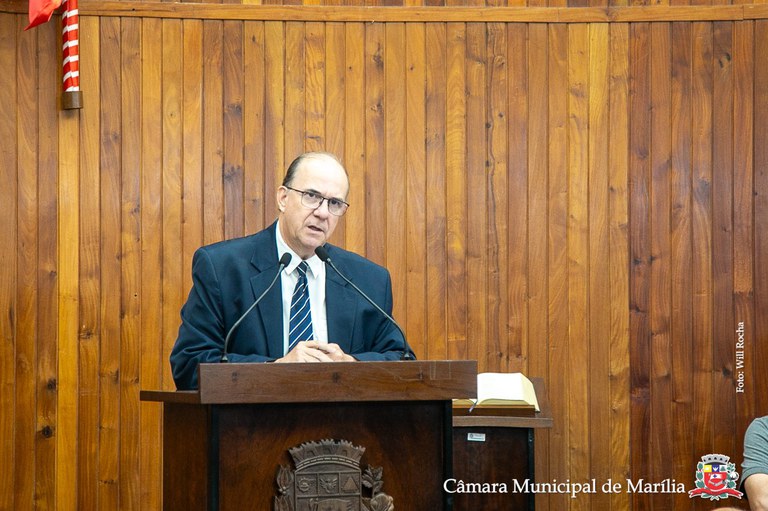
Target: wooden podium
x=226, y=446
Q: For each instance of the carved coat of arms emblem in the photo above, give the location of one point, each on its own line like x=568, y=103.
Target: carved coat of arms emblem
x=328, y=477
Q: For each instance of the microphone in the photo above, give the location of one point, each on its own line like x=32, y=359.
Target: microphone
x=322, y=253
x=285, y=260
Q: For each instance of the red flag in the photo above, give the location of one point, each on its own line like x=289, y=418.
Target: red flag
x=40, y=11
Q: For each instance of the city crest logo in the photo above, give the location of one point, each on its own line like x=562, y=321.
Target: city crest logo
x=716, y=478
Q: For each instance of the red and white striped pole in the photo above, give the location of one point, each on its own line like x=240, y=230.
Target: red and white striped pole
x=72, y=97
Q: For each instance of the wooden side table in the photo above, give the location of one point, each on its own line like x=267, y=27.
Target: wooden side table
x=496, y=448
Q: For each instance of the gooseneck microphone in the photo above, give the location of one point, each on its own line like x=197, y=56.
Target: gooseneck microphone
x=285, y=260
x=322, y=253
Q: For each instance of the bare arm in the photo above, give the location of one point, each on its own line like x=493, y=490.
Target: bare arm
x=756, y=486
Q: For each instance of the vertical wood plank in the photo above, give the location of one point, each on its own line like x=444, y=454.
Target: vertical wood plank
x=375, y=178
x=17, y=353
x=274, y=133
x=89, y=339
x=759, y=354
x=234, y=140
x=743, y=224
x=172, y=132
x=395, y=162
x=130, y=258
x=355, y=154
x=46, y=439
x=660, y=288
x=618, y=163
x=476, y=206
x=416, y=190
x=254, y=120
x=315, y=90
x=295, y=90
x=599, y=282
x=557, y=257
x=19, y=283
x=701, y=197
x=193, y=202
x=577, y=250
x=153, y=341
x=724, y=325
x=537, y=275
x=518, y=349
x=213, y=129
x=435, y=194
x=680, y=251
x=640, y=253
x=456, y=191
x=497, y=168
x=110, y=172
x=331, y=56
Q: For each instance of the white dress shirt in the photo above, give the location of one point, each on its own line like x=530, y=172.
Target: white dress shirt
x=316, y=283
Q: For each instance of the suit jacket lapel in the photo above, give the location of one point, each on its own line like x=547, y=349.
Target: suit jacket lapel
x=270, y=309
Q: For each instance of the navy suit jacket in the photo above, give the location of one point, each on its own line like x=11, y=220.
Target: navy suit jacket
x=228, y=276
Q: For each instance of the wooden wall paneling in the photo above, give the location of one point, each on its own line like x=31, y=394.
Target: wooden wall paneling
x=152, y=340
x=130, y=262
x=110, y=172
x=758, y=352
x=537, y=271
x=213, y=130
x=659, y=231
x=599, y=284
x=254, y=127
x=172, y=126
x=68, y=193
x=17, y=351
x=19, y=288
x=476, y=206
x=416, y=193
x=436, y=97
x=640, y=252
x=375, y=150
x=296, y=90
x=724, y=326
x=680, y=255
x=514, y=323
x=577, y=255
x=233, y=91
x=275, y=163
x=332, y=59
x=557, y=258
x=743, y=228
x=456, y=191
x=46, y=440
x=89, y=338
x=618, y=164
x=497, y=335
x=394, y=153
x=701, y=199
x=354, y=144
x=315, y=87
x=193, y=209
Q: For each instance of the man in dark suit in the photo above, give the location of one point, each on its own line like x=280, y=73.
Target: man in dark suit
x=337, y=323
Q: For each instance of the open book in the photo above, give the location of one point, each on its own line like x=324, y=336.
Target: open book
x=502, y=390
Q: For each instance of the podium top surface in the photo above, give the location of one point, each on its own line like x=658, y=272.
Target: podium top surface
x=413, y=380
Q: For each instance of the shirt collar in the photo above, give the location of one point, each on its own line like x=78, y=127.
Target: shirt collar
x=314, y=262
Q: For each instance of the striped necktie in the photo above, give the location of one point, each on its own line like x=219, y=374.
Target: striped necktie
x=300, y=325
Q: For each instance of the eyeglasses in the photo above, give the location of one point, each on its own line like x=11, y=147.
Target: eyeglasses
x=314, y=200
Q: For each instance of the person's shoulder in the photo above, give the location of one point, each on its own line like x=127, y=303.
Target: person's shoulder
x=352, y=261
x=235, y=245
x=759, y=426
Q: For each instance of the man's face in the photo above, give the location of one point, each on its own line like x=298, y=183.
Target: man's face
x=303, y=228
